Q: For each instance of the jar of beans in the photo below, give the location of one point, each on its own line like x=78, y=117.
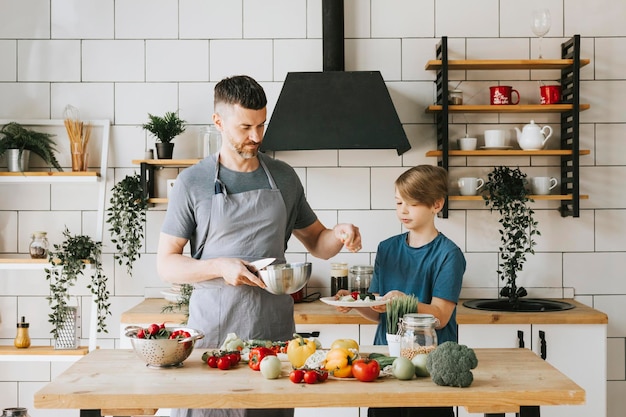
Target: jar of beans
x=39, y=245
x=417, y=334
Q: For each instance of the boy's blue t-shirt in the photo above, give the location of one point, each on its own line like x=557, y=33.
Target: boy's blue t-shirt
x=433, y=270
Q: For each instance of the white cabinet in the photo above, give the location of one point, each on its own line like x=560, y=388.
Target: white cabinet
x=577, y=350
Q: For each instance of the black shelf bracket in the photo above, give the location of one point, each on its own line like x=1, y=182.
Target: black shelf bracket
x=442, y=116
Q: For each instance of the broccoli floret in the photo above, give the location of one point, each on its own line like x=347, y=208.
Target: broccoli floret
x=450, y=364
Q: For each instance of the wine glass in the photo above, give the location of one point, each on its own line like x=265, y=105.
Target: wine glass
x=540, y=24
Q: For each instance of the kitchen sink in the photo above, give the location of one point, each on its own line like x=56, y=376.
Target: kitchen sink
x=520, y=305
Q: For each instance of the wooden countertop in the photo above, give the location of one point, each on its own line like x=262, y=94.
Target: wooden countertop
x=149, y=311
x=117, y=381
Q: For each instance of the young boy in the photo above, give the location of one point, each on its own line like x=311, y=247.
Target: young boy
x=422, y=262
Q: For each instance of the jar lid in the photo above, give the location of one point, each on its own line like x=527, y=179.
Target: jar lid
x=22, y=324
x=362, y=268
x=40, y=234
x=419, y=319
x=455, y=91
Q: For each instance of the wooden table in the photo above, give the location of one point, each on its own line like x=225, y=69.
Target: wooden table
x=118, y=383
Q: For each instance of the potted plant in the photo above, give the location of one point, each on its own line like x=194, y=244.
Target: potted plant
x=396, y=309
x=127, y=218
x=18, y=142
x=68, y=261
x=505, y=192
x=165, y=129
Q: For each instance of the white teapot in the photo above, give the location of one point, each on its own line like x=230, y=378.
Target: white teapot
x=532, y=137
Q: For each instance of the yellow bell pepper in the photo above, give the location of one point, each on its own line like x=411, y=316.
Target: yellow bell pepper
x=339, y=362
x=299, y=349
x=345, y=343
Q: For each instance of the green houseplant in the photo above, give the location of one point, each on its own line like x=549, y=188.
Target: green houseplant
x=69, y=260
x=18, y=142
x=505, y=192
x=165, y=128
x=127, y=217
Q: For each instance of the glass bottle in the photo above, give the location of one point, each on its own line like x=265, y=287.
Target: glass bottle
x=39, y=245
x=361, y=278
x=417, y=334
x=22, y=339
x=338, y=277
x=211, y=140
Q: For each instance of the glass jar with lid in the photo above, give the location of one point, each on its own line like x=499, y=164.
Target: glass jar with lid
x=338, y=277
x=15, y=412
x=417, y=334
x=455, y=97
x=39, y=245
x=361, y=278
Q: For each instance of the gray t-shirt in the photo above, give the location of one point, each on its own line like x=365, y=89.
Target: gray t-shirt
x=189, y=209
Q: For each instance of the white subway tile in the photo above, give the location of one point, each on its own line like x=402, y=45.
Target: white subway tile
x=24, y=371
x=402, y=18
x=610, y=58
x=296, y=55
x=28, y=100
x=94, y=101
x=383, y=190
x=608, y=144
x=38, y=200
x=369, y=157
x=610, y=230
x=616, y=354
x=374, y=225
x=312, y=158
x=422, y=138
x=8, y=65
x=177, y=60
x=453, y=227
x=338, y=188
x=595, y=273
x=133, y=102
x=459, y=18
x=274, y=19
x=8, y=394
x=113, y=60
x=481, y=270
x=234, y=57
x=606, y=98
x=553, y=227
x=196, y=102
x=384, y=55
x=410, y=99
x=415, y=54
x=607, y=20
x=357, y=18
x=25, y=19
x=498, y=49
x=48, y=60
x=515, y=17
x=150, y=19
x=604, y=186
x=211, y=19
x=615, y=307
x=83, y=19
x=127, y=143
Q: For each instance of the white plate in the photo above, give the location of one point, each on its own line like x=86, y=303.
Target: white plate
x=171, y=296
x=360, y=303
x=496, y=147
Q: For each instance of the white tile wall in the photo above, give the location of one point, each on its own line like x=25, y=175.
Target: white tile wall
x=121, y=59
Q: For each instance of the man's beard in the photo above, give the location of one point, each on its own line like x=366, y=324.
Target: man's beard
x=240, y=150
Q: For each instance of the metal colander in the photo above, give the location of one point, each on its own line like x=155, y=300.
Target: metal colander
x=163, y=353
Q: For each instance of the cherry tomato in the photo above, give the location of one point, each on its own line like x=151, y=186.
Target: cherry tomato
x=322, y=375
x=141, y=334
x=355, y=295
x=153, y=329
x=233, y=357
x=310, y=377
x=212, y=361
x=365, y=370
x=296, y=376
x=223, y=363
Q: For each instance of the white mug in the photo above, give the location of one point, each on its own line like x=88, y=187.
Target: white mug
x=542, y=185
x=470, y=185
x=495, y=138
x=467, y=144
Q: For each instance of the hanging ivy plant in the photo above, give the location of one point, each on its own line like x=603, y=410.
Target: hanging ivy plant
x=127, y=218
x=505, y=192
x=182, y=303
x=69, y=260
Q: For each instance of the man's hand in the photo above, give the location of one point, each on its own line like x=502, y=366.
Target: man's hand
x=349, y=235
x=238, y=272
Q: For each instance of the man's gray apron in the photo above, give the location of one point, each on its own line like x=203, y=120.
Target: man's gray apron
x=249, y=225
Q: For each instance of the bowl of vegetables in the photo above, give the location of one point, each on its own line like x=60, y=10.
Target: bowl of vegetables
x=286, y=278
x=163, y=347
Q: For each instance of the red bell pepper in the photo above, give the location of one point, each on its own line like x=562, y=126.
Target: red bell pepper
x=256, y=356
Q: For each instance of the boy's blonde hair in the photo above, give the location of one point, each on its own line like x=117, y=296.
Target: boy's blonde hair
x=423, y=184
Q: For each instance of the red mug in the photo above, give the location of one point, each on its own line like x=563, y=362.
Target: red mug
x=550, y=94
x=501, y=94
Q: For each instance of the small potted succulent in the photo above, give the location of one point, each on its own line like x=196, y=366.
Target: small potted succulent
x=165, y=129
x=18, y=142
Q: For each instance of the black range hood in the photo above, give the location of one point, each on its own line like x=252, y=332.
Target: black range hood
x=334, y=109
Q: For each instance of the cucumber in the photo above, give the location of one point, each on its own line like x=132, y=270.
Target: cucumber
x=382, y=359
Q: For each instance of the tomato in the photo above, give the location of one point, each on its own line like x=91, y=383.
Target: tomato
x=296, y=376
x=322, y=375
x=365, y=370
x=141, y=334
x=310, y=377
x=212, y=361
x=223, y=363
x=233, y=357
x=153, y=329
x=355, y=295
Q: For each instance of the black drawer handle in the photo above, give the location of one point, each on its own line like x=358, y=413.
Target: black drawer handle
x=520, y=339
x=544, y=348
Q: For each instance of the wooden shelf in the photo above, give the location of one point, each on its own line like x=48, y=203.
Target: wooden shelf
x=555, y=197
x=511, y=152
x=504, y=64
x=512, y=108
x=41, y=353
x=157, y=200
x=49, y=177
x=22, y=261
x=167, y=162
